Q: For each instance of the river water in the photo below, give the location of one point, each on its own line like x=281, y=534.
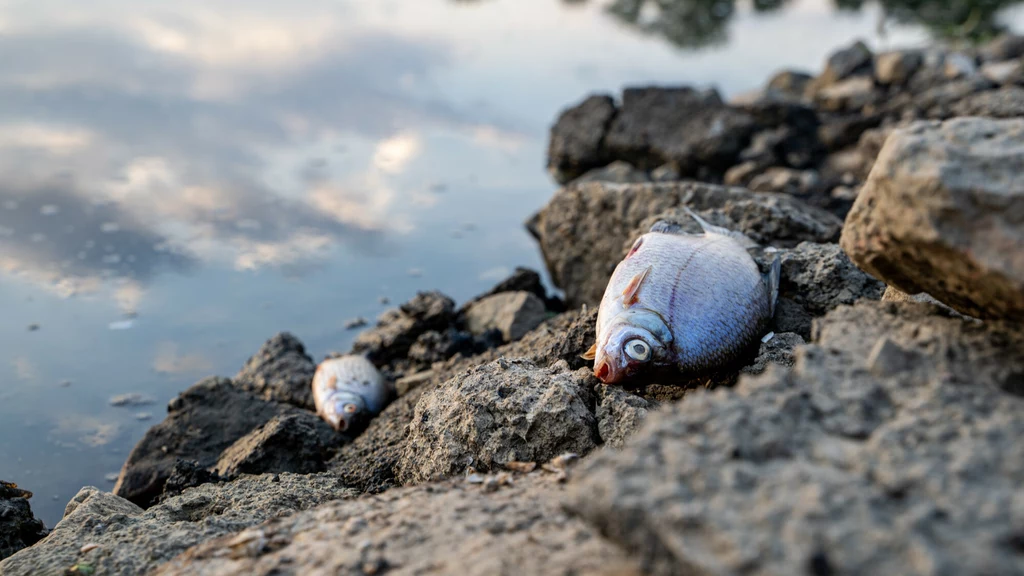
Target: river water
x=183, y=180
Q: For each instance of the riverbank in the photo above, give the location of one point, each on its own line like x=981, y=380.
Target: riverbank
x=875, y=432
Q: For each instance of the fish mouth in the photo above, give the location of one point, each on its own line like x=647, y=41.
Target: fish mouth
x=606, y=373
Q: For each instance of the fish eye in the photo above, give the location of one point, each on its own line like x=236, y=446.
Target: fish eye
x=350, y=408
x=638, y=350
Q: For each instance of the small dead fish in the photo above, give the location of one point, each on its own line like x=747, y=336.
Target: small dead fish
x=348, y=391
x=689, y=301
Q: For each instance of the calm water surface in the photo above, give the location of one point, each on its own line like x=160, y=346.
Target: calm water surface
x=183, y=180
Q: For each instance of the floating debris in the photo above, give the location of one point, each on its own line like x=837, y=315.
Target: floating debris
x=112, y=477
x=384, y=300
x=131, y=399
x=33, y=327
x=122, y=324
x=65, y=383
x=143, y=416
x=354, y=323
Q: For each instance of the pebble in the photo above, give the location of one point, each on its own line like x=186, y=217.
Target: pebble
x=354, y=323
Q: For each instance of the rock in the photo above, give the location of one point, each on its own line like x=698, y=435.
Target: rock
x=943, y=100
x=1007, y=102
x=893, y=295
x=451, y=528
x=838, y=132
x=850, y=61
x=941, y=213
x=186, y=474
x=502, y=411
x=790, y=82
x=963, y=351
x=576, y=139
x=586, y=230
x=1004, y=47
x=18, y=527
x=618, y=171
x=820, y=277
x=694, y=129
x=786, y=181
x=281, y=371
x=619, y=414
x=397, y=329
x=521, y=280
x=742, y=173
x=1006, y=72
x=299, y=443
x=849, y=95
x=513, y=313
x=434, y=346
x=128, y=540
x=896, y=68
x=826, y=468
x=201, y=422
x=959, y=65
x=780, y=350
x=665, y=173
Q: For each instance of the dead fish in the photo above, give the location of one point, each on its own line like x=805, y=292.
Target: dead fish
x=689, y=301
x=348, y=391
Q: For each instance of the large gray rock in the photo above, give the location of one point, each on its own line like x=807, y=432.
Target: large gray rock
x=447, y=528
x=397, y=329
x=512, y=313
x=18, y=527
x=942, y=212
x=853, y=60
x=129, y=540
x=280, y=371
x=691, y=128
x=818, y=278
x=576, y=138
x=585, y=230
x=201, y=422
x=850, y=463
x=503, y=411
x=299, y=443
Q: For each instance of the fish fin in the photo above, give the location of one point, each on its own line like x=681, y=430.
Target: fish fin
x=710, y=228
x=591, y=353
x=668, y=227
x=771, y=280
x=631, y=294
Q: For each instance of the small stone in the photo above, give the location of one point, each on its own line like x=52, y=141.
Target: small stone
x=513, y=313
x=665, y=173
x=851, y=94
x=1006, y=46
x=354, y=323
x=897, y=67
x=88, y=548
x=959, y=65
x=1008, y=72
x=521, y=467
x=742, y=173
x=790, y=82
x=847, y=62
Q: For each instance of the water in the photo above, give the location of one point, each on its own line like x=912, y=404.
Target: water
x=183, y=180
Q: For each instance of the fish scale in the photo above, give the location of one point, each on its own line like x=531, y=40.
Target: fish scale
x=703, y=292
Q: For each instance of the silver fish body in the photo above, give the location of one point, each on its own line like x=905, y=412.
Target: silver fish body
x=348, y=391
x=692, y=301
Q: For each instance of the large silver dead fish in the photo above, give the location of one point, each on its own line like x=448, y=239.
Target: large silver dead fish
x=348, y=391
x=692, y=301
